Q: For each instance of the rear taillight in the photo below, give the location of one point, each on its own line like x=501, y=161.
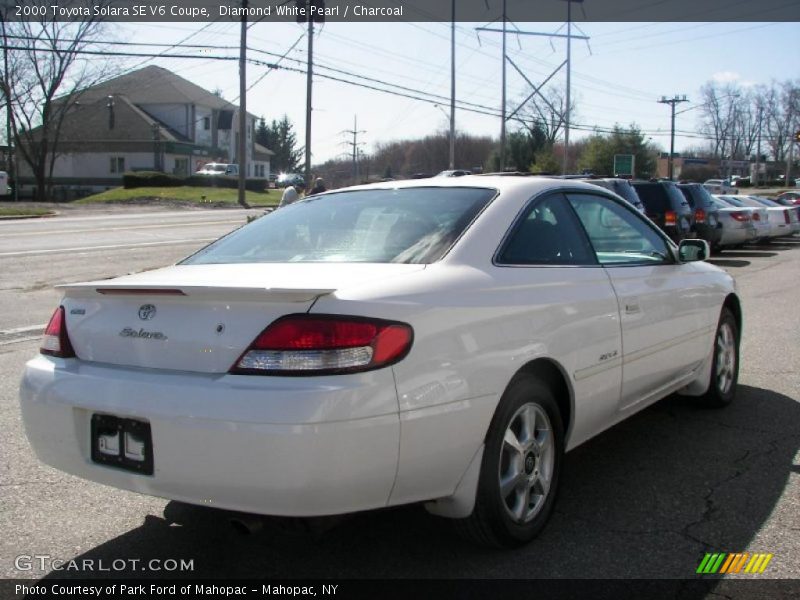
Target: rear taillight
x=700, y=216
x=323, y=345
x=56, y=341
x=786, y=217
x=740, y=216
x=670, y=218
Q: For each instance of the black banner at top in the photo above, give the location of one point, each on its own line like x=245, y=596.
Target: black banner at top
x=402, y=10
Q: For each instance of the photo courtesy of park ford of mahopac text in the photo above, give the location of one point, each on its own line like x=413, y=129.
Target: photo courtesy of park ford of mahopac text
x=187, y=416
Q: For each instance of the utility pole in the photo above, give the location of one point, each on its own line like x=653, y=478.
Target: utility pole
x=242, y=150
x=313, y=12
x=453, y=85
x=354, y=146
x=672, y=102
x=309, y=85
x=758, y=150
x=503, y=101
x=565, y=166
x=11, y=147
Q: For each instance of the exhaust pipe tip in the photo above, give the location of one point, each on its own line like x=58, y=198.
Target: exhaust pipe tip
x=247, y=524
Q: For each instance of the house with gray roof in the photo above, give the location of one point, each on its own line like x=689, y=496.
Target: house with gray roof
x=150, y=119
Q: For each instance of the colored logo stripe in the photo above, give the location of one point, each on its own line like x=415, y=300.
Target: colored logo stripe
x=723, y=562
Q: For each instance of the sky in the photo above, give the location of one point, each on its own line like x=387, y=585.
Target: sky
x=617, y=77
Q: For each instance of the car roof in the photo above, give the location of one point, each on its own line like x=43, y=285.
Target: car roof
x=502, y=183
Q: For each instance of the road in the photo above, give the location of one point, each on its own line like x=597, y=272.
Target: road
x=645, y=499
x=36, y=254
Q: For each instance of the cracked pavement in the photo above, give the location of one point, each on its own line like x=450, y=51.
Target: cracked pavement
x=645, y=499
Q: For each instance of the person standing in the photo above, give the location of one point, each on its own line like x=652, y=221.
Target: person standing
x=319, y=187
x=289, y=196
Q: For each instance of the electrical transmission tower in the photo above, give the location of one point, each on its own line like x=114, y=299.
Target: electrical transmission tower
x=565, y=116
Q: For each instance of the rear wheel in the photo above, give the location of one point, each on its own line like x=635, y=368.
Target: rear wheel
x=520, y=468
x=725, y=364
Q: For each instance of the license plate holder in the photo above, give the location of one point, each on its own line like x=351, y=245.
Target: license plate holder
x=123, y=443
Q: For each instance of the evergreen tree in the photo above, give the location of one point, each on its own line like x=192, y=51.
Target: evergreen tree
x=282, y=140
x=598, y=156
x=262, y=133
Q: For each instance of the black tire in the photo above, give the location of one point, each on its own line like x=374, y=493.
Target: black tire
x=491, y=522
x=724, y=380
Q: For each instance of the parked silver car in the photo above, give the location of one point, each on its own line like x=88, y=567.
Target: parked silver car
x=737, y=224
x=760, y=215
x=791, y=220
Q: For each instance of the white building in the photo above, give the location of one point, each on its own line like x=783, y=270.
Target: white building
x=149, y=119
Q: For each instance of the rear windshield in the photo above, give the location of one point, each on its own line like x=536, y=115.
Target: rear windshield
x=697, y=195
x=766, y=202
x=626, y=190
x=654, y=197
x=661, y=197
x=619, y=187
x=734, y=201
x=719, y=203
x=412, y=225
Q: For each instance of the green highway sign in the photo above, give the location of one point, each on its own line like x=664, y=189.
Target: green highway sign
x=623, y=165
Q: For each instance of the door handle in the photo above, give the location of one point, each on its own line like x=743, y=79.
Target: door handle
x=632, y=308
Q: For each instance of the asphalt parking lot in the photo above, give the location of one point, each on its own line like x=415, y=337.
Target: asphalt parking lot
x=646, y=499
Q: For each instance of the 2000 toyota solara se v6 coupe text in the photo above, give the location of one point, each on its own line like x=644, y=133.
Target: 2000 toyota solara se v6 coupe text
x=425, y=341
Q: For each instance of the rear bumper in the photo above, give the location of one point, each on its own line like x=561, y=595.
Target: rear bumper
x=780, y=230
x=736, y=236
x=268, y=445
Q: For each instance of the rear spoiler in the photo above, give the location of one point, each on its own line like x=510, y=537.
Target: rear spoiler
x=253, y=294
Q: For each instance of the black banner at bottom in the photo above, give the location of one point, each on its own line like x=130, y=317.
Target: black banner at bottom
x=387, y=589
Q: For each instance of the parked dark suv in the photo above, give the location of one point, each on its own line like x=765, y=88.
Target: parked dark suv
x=666, y=207
x=706, y=214
x=621, y=187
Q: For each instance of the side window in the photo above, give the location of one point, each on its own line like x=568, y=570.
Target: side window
x=548, y=234
x=619, y=236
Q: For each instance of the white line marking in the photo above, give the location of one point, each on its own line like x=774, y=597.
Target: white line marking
x=135, y=215
x=128, y=228
x=110, y=247
x=17, y=341
x=23, y=329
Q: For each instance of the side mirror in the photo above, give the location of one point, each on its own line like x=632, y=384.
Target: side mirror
x=692, y=250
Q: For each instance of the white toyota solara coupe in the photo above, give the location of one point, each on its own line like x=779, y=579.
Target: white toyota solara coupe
x=441, y=341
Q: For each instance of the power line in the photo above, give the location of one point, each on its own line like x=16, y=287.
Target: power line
x=410, y=93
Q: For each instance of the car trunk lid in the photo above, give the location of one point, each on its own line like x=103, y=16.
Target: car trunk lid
x=199, y=318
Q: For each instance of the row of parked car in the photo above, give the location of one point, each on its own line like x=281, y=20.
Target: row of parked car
x=688, y=210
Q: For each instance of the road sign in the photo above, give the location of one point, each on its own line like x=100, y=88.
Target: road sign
x=623, y=165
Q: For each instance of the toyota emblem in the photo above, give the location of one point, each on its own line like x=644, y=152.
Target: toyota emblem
x=147, y=312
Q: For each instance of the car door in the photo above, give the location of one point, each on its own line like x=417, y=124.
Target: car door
x=559, y=303
x=662, y=303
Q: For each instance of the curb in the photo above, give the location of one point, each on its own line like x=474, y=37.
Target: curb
x=21, y=217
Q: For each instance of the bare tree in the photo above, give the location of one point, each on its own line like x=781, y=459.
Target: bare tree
x=43, y=77
x=733, y=118
x=781, y=113
x=546, y=111
x=721, y=108
x=745, y=126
